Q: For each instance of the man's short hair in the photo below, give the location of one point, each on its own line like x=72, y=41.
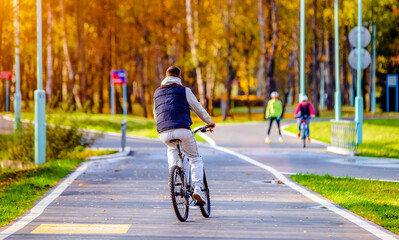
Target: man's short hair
x=173, y=71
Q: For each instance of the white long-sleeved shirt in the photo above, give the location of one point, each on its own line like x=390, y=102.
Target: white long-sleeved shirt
x=191, y=99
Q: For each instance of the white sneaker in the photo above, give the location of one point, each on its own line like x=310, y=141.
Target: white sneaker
x=280, y=139
x=198, y=196
x=267, y=140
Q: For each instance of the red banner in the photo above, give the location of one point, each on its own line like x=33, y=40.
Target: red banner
x=6, y=75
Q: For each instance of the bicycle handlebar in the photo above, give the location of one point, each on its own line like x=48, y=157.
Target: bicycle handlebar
x=204, y=128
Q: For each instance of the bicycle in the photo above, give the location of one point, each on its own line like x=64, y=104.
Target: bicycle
x=181, y=187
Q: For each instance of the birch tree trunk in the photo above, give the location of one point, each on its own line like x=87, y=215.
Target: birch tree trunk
x=210, y=86
x=230, y=70
x=272, y=51
x=70, y=67
x=81, y=41
x=316, y=63
x=139, y=62
x=291, y=75
x=261, y=72
x=49, y=83
x=193, y=48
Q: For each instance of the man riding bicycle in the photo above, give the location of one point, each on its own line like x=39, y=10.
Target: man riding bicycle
x=172, y=104
x=304, y=110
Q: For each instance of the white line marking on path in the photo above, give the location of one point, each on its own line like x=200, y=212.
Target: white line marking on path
x=351, y=217
x=38, y=209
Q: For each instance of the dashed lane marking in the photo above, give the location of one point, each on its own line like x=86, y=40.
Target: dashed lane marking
x=81, y=229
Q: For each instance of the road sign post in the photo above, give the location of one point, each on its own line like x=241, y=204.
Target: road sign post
x=359, y=59
x=40, y=97
x=373, y=97
x=392, y=81
x=7, y=94
x=112, y=104
x=118, y=77
x=359, y=99
x=351, y=92
x=124, y=99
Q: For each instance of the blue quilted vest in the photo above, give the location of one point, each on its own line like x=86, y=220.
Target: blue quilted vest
x=171, y=108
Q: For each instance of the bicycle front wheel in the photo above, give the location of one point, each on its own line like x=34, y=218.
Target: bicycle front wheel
x=178, y=193
x=206, y=207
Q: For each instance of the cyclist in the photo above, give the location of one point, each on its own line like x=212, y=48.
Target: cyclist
x=304, y=110
x=273, y=111
x=172, y=104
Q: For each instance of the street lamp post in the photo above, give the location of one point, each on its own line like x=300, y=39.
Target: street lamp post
x=40, y=97
x=17, y=95
x=337, y=83
x=359, y=99
x=302, y=51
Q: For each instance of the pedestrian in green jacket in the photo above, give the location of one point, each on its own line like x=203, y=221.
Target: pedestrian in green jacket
x=274, y=111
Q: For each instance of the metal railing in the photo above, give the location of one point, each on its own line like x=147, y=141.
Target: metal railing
x=123, y=130
x=343, y=134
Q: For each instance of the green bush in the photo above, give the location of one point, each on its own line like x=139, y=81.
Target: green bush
x=60, y=141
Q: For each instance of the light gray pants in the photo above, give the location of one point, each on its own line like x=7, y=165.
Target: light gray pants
x=189, y=146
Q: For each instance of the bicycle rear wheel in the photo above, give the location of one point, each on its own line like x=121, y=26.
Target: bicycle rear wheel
x=178, y=193
x=206, y=207
x=303, y=134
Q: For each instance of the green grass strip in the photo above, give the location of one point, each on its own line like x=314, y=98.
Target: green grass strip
x=20, y=189
x=377, y=201
x=380, y=136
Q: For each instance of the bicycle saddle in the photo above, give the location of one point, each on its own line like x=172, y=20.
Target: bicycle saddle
x=174, y=140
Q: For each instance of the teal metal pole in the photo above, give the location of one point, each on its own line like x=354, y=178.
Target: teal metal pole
x=302, y=52
x=112, y=95
x=40, y=97
x=351, y=93
x=124, y=99
x=359, y=99
x=373, y=100
x=337, y=83
x=322, y=87
x=7, y=93
x=17, y=94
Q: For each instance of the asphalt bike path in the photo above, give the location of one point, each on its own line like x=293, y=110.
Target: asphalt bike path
x=128, y=198
x=290, y=157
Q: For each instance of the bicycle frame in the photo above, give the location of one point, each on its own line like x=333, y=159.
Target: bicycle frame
x=303, y=129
